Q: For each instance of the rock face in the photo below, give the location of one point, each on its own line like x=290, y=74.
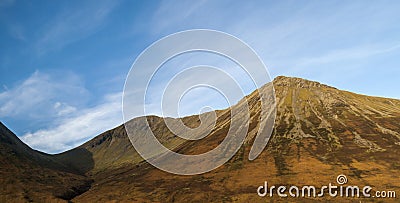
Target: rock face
x=319, y=133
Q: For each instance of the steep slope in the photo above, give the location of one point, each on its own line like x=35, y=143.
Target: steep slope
x=320, y=132
x=29, y=175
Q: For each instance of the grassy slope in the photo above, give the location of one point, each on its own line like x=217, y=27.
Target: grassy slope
x=320, y=132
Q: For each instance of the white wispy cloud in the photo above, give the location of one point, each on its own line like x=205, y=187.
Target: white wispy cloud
x=63, y=109
x=35, y=97
x=58, y=99
x=70, y=132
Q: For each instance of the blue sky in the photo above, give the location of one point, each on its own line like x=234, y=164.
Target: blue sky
x=63, y=63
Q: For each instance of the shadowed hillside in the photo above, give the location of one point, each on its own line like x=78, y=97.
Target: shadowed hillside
x=27, y=175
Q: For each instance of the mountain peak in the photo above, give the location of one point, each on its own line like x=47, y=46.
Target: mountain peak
x=297, y=82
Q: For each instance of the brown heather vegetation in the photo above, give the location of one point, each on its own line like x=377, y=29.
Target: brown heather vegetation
x=320, y=132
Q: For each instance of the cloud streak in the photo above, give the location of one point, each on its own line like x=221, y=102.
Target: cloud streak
x=35, y=97
x=73, y=131
x=58, y=100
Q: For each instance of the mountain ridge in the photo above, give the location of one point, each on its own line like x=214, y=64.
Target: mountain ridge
x=318, y=130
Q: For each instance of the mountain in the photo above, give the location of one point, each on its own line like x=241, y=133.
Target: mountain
x=27, y=175
x=320, y=132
